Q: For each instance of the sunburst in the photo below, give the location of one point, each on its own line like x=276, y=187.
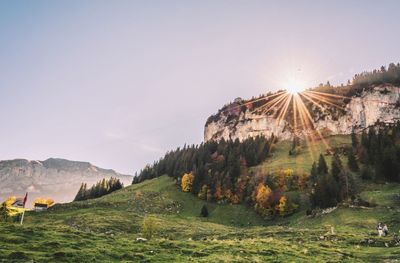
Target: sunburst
x=293, y=107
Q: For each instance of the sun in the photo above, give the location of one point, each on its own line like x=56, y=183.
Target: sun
x=294, y=86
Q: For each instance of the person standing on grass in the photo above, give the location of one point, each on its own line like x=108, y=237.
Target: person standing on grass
x=385, y=230
x=380, y=229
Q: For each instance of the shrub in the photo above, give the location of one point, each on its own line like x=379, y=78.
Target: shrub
x=204, y=211
x=149, y=227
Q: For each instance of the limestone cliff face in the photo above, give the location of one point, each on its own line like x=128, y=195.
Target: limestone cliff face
x=374, y=104
x=53, y=178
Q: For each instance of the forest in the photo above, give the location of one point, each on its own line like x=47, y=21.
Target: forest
x=378, y=155
x=99, y=189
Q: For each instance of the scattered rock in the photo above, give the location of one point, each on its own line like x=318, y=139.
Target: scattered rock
x=141, y=239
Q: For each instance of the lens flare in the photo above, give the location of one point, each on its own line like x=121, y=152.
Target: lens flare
x=293, y=86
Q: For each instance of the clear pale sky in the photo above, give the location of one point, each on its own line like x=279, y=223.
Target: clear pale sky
x=118, y=83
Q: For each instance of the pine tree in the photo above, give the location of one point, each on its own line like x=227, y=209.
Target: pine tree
x=313, y=173
x=354, y=140
x=388, y=168
x=344, y=185
x=81, y=193
x=336, y=167
x=326, y=192
x=352, y=162
x=322, y=166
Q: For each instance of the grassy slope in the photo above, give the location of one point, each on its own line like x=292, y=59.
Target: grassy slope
x=309, y=153
x=105, y=229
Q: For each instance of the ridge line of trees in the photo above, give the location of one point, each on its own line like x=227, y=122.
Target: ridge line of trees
x=102, y=187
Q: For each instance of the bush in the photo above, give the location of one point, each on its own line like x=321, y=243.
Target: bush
x=204, y=211
x=149, y=227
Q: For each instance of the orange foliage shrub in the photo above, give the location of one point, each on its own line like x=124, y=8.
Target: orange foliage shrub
x=187, y=181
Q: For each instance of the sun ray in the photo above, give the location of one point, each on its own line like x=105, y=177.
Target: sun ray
x=307, y=137
x=308, y=115
x=255, y=100
x=325, y=100
x=313, y=101
x=328, y=94
x=276, y=103
x=272, y=101
x=285, y=108
x=279, y=106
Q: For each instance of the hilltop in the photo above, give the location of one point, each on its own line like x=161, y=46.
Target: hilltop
x=57, y=178
x=337, y=110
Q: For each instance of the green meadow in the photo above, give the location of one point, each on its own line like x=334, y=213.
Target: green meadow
x=107, y=229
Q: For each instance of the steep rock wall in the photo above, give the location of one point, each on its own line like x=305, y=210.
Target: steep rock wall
x=376, y=104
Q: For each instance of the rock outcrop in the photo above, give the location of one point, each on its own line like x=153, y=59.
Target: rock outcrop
x=379, y=103
x=58, y=179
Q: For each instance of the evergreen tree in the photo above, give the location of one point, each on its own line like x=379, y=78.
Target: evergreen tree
x=313, y=173
x=336, y=167
x=344, y=185
x=354, y=140
x=99, y=189
x=352, y=162
x=322, y=166
x=326, y=192
x=388, y=168
x=81, y=193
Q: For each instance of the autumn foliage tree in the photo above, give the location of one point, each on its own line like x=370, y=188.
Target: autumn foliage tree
x=187, y=182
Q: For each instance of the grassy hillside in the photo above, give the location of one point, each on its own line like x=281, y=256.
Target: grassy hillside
x=303, y=161
x=106, y=229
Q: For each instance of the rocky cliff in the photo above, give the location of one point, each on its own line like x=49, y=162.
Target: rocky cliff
x=358, y=108
x=53, y=178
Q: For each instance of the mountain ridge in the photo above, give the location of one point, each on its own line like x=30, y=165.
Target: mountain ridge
x=363, y=106
x=54, y=177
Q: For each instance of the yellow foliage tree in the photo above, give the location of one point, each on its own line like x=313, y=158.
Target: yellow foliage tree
x=285, y=207
x=282, y=206
x=288, y=172
x=49, y=202
x=187, y=181
x=262, y=195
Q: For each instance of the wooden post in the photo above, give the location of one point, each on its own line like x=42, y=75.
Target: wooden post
x=22, y=217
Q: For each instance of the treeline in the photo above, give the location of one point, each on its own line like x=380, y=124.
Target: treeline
x=383, y=75
x=101, y=188
x=210, y=159
x=217, y=172
x=379, y=153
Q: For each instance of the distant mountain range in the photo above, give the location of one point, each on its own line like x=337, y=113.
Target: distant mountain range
x=54, y=178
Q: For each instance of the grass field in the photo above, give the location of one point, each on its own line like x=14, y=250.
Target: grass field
x=309, y=153
x=105, y=229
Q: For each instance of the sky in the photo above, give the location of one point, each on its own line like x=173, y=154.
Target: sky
x=119, y=83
